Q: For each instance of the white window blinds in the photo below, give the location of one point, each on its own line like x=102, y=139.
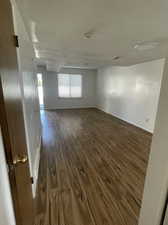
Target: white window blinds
x=69, y=85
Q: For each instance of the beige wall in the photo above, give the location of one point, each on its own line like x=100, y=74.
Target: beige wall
x=156, y=184
x=131, y=93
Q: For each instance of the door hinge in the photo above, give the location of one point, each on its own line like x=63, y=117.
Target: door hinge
x=32, y=180
x=16, y=41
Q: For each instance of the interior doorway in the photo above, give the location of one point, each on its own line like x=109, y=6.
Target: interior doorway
x=40, y=89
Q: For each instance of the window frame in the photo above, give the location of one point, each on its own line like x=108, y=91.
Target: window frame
x=70, y=97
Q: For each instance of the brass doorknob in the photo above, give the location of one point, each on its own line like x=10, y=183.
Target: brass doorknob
x=20, y=159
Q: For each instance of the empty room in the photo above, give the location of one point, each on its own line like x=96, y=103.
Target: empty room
x=83, y=112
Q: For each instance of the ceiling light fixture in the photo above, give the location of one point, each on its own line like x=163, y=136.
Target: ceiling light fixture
x=89, y=34
x=146, y=45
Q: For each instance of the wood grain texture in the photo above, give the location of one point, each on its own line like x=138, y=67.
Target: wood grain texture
x=12, y=119
x=92, y=169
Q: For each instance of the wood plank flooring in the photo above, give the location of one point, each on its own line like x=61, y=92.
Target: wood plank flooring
x=92, y=169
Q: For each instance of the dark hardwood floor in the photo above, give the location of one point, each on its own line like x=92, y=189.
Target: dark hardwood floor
x=92, y=169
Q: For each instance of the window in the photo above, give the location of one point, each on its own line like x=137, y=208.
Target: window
x=69, y=85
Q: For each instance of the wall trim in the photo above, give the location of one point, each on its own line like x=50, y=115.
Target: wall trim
x=99, y=108
x=129, y=122
x=76, y=107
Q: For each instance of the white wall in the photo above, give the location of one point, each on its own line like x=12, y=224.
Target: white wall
x=156, y=184
x=28, y=82
x=6, y=206
x=131, y=93
x=50, y=88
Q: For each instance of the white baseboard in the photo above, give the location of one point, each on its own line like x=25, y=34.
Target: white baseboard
x=130, y=122
x=36, y=167
x=77, y=107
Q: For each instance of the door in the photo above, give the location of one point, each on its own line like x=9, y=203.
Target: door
x=12, y=120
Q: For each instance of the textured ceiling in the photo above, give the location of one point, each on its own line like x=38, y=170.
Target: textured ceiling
x=89, y=33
